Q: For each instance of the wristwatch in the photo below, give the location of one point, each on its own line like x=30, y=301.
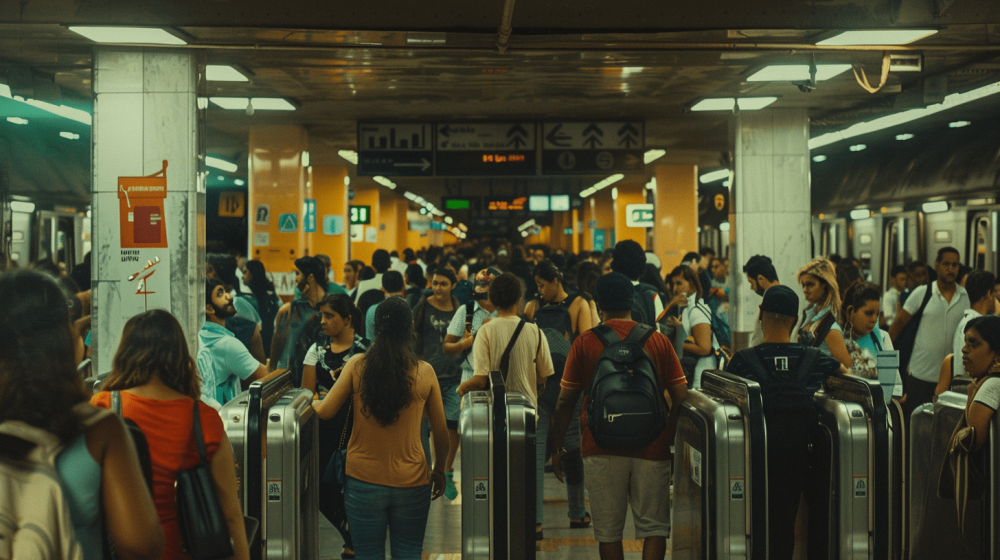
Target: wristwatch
x=561, y=451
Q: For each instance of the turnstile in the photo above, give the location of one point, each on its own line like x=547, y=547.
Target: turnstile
x=273, y=431
x=854, y=446
x=498, y=474
x=934, y=531
x=720, y=472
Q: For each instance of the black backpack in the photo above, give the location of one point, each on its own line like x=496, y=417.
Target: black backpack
x=644, y=304
x=784, y=389
x=556, y=324
x=625, y=406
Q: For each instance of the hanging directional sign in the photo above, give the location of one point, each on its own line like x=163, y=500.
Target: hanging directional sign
x=485, y=149
x=395, y=149
x=592, y=148
x=639, y=215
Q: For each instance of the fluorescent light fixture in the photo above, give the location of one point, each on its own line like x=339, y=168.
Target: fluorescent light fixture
x=349, y=155
x=713, y=176
x=651, y=185
x=22, y=206
x=526, y=225
x=959, y=124
x=653, y=155
x=462, y=227
x=729, y=103
x=861, y=214
x=384, y=182
x=239, y=182
x=725, y=183
x=128, y=35
x=903, y=137
x=69, y=135
x=877, y=37
x=271, y=104
x=17, y=120
x=202, y=103
x=347, y=180
x=857, y=147
x=724, y=226
x=63, y=111
x=896, y=119
x=796, y=73
x=448, y=220
x=5, y=91
x=820, y=158
x=305, y=159
x=606, y=182
x=220, y=164
x=410, y=196
x=232, y=103
x=222, y=73
x=524, y=234
x=614, y=193
x=420, y=200
x=934, y=207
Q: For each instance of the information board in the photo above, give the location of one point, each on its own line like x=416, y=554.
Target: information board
x=483, y=149
x=395, y=149
x=592, y=147
x=361, y=215
x=508, y=204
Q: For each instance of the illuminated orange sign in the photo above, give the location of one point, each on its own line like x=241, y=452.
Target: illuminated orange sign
x=141, y=210
x=507, y=204
x=502, y=158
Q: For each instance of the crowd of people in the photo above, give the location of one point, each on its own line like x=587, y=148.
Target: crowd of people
x=392, y=350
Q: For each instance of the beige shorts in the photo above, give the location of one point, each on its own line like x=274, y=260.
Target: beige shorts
x=614, y=483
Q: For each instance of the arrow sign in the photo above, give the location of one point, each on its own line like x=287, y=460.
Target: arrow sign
x=424, y=165
x=445, y=131
x=557, y=139
x=593, y=129
x=628, y=136
x=519, y=136
x=592, y=141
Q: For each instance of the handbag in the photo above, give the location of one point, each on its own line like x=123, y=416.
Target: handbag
x=199, y=515
x=336, y=469
x=962, y=477
x=907, y=336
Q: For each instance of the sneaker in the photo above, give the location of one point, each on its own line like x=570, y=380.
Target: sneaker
x=450, y=491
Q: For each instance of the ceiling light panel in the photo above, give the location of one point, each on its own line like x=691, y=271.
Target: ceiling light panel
x=877, y=37
x=128, y=35
x=729, y=103
x=221, y=73
x=797, y=73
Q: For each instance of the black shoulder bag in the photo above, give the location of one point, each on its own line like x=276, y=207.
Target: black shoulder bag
x=199, y=514
x=908, y=336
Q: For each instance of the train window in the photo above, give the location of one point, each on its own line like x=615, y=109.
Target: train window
x=17, y=236
x=891, y=249
x=828, y=239
x=982, y=249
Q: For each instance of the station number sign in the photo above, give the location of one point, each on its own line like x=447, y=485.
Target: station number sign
x=361, y=215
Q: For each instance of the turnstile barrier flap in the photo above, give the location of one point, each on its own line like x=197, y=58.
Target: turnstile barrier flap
x=732, y=388
x=866, y=392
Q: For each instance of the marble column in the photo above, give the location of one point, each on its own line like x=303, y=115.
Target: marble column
x=770, y=210
x=149, y=227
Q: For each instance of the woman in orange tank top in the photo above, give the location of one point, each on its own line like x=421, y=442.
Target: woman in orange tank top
x=388, y=484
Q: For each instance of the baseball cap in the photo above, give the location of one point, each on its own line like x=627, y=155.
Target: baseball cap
x=781, y=300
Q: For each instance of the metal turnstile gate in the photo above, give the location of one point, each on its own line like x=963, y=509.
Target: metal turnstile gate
x=498, y=474
x=720, y=472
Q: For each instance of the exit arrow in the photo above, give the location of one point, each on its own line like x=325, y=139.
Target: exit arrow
x=445, y=131
x=593, y=129
x=517, y=129
x=628, y=129
x=558, y=140
x=517, y=142
x=424, y=165
x=628, y=141
x=593, y=141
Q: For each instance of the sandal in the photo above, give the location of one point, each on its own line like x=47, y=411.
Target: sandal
x=583, y=523
x=345, y=555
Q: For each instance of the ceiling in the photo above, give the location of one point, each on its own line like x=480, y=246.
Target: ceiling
x=387, y=60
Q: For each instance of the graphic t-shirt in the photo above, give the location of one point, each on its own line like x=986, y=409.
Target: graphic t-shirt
x=783, y=358
x=434, y=328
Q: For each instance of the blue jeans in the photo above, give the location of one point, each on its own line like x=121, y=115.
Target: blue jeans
x=372, y=509
x=572, y=462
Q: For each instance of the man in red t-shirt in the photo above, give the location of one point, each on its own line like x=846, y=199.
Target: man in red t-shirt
x=616, y=479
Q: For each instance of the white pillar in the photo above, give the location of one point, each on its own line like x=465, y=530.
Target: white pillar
x=144, y=114
x=770, y=204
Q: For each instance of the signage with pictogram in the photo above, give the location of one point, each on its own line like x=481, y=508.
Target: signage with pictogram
x=400, y=149
x=505, y=149
x=143, y=243
x=288, y=223
x=592, y=147
x=639, y=215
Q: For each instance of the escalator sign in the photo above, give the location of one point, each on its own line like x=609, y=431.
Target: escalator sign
x=481, y=488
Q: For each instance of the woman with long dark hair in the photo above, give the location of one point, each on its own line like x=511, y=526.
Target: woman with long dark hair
x=262, y=297
x=156, y=378
x=388, y=485
x=40, y=387
x=696, y=320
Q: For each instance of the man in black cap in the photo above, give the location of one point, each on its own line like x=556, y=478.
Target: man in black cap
x=619, y=477
x=789, y=415
x=291, y=340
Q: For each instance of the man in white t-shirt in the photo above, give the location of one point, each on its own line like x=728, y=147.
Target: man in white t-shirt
x=945, y=309
x=890, y=299
x=761, y=275
x=530, y=362
x=979, y=286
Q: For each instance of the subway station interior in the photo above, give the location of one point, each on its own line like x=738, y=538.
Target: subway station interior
x=272, y=131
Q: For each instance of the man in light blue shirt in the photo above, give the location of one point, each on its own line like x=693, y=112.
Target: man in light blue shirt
x=223, y=361
x=392, y=286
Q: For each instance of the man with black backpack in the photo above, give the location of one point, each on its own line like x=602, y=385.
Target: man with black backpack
x=630, y=260
x=633, y=387
x=788, y=374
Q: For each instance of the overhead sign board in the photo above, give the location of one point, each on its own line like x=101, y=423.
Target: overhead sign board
x=592, y=147
x=361, y=215
x=639, y=215
x=508, y=204
x=485, y=149
x=400, y=149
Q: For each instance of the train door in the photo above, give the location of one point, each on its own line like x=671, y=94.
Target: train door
x=982, y=246
x=55, y=238
x=833, y=238
x=893, y=247
x=863, y=245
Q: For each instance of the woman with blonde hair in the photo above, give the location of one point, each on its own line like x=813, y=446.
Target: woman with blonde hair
x=158, y=384
x=820, y=326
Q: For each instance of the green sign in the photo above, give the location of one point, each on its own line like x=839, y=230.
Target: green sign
x=361, y=215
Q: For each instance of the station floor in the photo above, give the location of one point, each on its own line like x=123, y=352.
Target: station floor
x=443, y=540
